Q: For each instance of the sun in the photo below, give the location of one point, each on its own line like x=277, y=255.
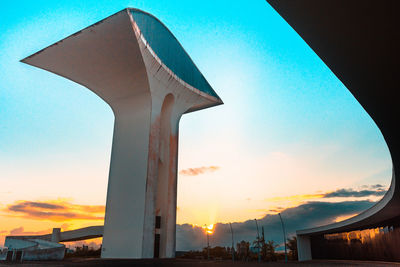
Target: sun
x=209, y=229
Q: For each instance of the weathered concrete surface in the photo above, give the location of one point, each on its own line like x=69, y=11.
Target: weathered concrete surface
x=148, y=90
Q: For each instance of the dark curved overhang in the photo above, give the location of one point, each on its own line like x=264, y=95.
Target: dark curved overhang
x=359, y=42
x=170, y=51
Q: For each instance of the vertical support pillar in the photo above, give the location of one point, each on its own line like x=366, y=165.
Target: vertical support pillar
x=149, y=229
x=304, y=247
x=14, y=255
x=166, y=179
x=55, y=235
x=124, y=219
x=161, y=188
x=170, y=242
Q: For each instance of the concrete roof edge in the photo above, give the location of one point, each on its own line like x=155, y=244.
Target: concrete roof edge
x=24, y=60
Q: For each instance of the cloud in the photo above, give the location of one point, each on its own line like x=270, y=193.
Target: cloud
x=308, y=215
x=17, y=231
x=352, y=193
x=21, y=231
x=377, y=186
x=276, y=210
x=370, y=191
x=198, y=171
x=55, y=210
x=29, y=204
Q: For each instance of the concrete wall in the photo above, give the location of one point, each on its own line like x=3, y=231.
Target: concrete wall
x=304, y=248
x=44, y=254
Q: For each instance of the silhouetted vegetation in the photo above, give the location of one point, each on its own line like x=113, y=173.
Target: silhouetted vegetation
x=83, y=252
x=292, y=246
x=243, y=252
x=216, y=253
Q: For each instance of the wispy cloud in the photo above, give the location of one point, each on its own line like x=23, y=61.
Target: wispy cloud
x=276, y=210
x=198, y=171
x=55, y=210
x=30, y=204
x=21, y=231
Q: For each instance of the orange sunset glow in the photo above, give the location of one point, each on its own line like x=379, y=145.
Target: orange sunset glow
x=209, y=229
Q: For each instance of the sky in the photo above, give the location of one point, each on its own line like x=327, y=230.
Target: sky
x=289, y=136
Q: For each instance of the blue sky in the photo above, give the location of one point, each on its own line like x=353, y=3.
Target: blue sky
x=288, y=126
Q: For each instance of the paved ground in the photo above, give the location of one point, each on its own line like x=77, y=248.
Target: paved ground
x=192, y=263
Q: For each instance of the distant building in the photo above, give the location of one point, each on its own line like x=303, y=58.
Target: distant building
x=47, y=247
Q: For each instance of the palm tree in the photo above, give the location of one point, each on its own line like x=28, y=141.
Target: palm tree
x=270, y=247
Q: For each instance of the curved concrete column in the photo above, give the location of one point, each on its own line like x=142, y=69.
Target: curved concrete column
x=127, y=179
x=133, y=62
x=358, y=41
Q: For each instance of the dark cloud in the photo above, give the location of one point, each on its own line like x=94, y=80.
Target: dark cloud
x=189, y=237
x=379, y=191
x=276, y=210
x=30, y=204
x=375, y=186
x=308, y=215
x=59, y=211
x=17, y=231
x=198, y=171
x=20, y=231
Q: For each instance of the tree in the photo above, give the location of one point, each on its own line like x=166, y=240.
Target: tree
x=270, y=247
x=242, y=250
x=292, y=245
